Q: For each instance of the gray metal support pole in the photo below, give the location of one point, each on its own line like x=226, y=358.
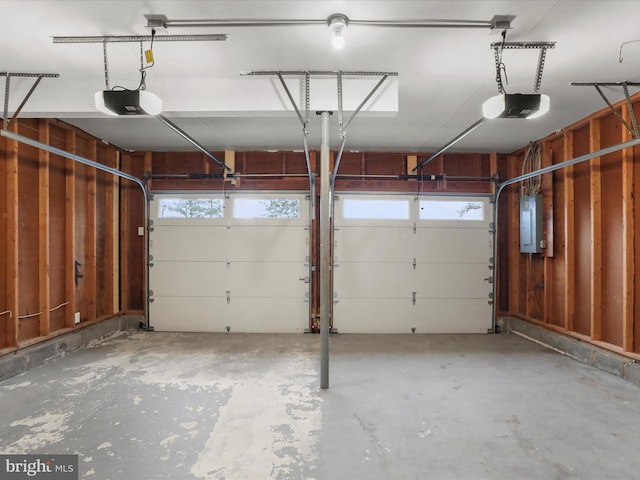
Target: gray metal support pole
x=325, y=253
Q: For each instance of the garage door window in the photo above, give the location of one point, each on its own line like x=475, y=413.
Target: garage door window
x=452, y=210
x=266, y=208
x=190, y=208
x=379, y=209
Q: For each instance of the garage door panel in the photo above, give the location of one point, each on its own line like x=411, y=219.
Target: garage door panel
x=188, y=314
x=452, y=249
x=268, y=279
x=373, y=315
x=455, y=245
x=190, y=279
x=218, y=268
x=269, y=315
x=188, y=243
x=451, y=280
x=362, y=244
x=373, y=280
x=452, y=316
x=276, y=243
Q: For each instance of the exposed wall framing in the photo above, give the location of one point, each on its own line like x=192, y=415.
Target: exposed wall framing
x=589, y=279
x=60, y=238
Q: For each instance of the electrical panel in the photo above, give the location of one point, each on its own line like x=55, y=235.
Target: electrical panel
x=531, y=229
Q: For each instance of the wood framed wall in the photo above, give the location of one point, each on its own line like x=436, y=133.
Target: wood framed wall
x=588, y=274
x=57, y=219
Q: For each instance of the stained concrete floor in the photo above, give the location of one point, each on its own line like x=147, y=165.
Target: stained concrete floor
x=143, y=406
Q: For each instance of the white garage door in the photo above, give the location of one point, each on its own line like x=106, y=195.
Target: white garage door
x=404, y=262
x=238, y=261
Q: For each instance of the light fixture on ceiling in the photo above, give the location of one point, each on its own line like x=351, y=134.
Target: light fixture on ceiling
x=516, y=105
x=337, y=25
x=123, y=101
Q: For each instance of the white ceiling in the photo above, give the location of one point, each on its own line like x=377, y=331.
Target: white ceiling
x=444, y=75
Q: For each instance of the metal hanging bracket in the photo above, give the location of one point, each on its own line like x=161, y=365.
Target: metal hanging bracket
x=633, y=128
x=542, y=46
x=38, y=76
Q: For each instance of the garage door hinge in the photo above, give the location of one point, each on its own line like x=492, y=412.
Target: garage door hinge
x=228, y=296
x=150, y=296
x=228, y=225
x=489, y=279
x=492, y=228
x=150, y=262
x=413, y=297
x=304, y=279
x=415, y=228
x=150, y=225
x=228, y=264
x=414, y=263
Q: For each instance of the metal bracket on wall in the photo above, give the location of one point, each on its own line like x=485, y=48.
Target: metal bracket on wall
x=633, y=128
x=7, y=86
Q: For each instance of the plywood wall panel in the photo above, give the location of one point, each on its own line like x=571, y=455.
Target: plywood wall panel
x=28, y=259
x=57, y=232
x=556, y=315
x=380, y=163
x=132, y=263
x=5, y=318
x=350, y=164
x=295, y=162
x=636, y=246
x=582, y=234
x=612, y=234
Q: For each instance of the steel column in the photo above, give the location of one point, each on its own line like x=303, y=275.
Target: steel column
x=326, y=296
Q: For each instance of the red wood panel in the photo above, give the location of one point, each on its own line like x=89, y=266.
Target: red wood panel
x=377, y=163
x=104, y=266
x=4, y=306
x=295, y=162
x=612, y=233
x=57, y=233
x=81, y=197
x=179, y=162
x=263, y=162
x=636, y=243
x=582, y=234
x=28, y=258
x=132, y=250
x=350, y=164
x=557, y=314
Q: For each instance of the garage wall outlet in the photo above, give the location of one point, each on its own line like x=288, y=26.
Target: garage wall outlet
x=141, y=231
x=76, y=318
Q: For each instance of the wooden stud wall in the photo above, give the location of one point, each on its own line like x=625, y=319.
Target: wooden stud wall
x=54, y=212
x=589, y=278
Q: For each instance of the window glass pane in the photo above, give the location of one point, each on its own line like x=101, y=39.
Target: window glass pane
x=451, y=210
x=190, y=208
x=266, y=208
x=382, y=209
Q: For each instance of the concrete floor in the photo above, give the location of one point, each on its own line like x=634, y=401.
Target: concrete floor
x=145, y=406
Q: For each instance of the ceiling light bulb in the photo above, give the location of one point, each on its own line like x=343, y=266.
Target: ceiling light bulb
x=338, y=40
x=337, y=24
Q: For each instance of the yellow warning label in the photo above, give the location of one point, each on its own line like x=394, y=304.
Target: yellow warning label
x=148, y=55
